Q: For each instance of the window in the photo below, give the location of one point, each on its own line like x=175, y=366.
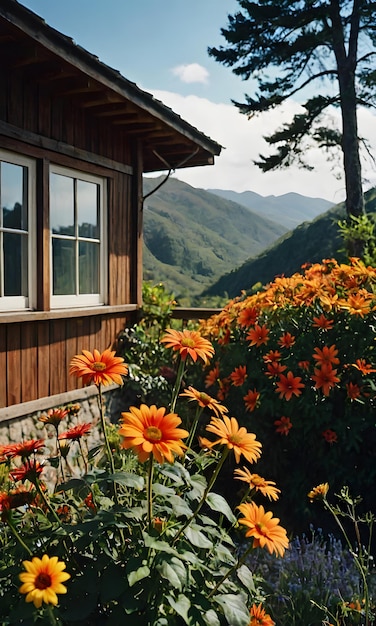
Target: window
x=77, y=212
x=17, y=231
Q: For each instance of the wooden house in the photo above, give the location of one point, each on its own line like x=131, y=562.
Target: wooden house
x=75, y=139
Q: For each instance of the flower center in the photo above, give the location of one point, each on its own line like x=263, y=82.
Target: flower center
x=98, y=366
x=43, y=581
x=187, y=342
x=204, y=398
x=153, y=433
x=235, y=439
x=261, y=528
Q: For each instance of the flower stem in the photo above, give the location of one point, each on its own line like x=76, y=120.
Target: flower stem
x=231, y=570
x=204, y=496
x=51, y=616
x=18, y=536
x=150, y=490
x=47, y=503
x=107, y=443
x=194, y=426
x=176, y=389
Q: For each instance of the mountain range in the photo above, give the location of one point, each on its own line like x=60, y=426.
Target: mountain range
x=193, y=237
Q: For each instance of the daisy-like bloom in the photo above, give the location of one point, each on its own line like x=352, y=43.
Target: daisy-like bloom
x=235, y=438
x=319, y=492
x=304, y=365
x=149, y=430
x=212, y=377
x=274, y=369
x=15, y=498
x=325, y=378
x=76, y=432
x=327, y=355
x=353, y=391
x=251, y=400
x=363, y=367
x=272, y=356
x=31, y=470
x=224, y=388
x=322, y=322
x=258, y=335
x=264, y=528
x=330, y=436
x=289, y=386
x=204, y=401
x=188, y=343
x=266, y=487
x=283, y=425
x=259, y=617
x=43, y=580
x=239, y=375
x=98, y=368
x=248, y=317
x=357, y=303
x=286, y=340
x=23, y=449
x=54, y=416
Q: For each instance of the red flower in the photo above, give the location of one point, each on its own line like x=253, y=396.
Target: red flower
x=353, y=391
x=363, y=366
x=238, y=376
x=325, y=378
x=304, y=365
x=322, y=322
x=258, y=335
x=212, y=377
x=271, y=356
x=283, y=425
x=23, y=449
x=330, y=436
x=248, y=317
x=76, y=432
x=286, y=340
x=29, y=471
x=251, y=400
x=275, y=369
x=328, y=355
x=289, y=385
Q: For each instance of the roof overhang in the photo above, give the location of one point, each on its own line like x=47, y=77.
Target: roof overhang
x=168, y=141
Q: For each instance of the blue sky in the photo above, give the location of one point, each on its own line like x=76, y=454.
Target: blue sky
x=161, y=45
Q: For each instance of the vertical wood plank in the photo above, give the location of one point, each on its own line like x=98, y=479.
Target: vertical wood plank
x=58, y=374
x=3, y=366
x=29, y=365
x=43, y=361
x=71, y=350
x=14, y=372
x=43, y=236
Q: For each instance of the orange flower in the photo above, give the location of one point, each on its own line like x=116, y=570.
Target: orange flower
x=23, y=449
x=76, y=432
x=319, y=492
x=271, y=356
x=325, y=378
x=235, y=438
x=20, y=496
x=274, y=369
x=322, y=322
x=248, y=317
x=357, y=303
x=224, y=388
x=289, y=385
x=29, y=471
x=330, y=436
x=328, y=355
x=353, y=391
x=212, y=376
x=188, y=343
x=304, y=365
x=238, y=376
x=251, y=400
x=97, y=368
x=258, y=335
x=266, y=487
x=283, y=425
x=286, y=340
x=150, y=431
x=204, y=401
x=259, y=617
x=54, y=416
x=363, y=366
x=264, y=528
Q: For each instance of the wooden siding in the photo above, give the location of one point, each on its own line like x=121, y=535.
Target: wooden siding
x=35, y=356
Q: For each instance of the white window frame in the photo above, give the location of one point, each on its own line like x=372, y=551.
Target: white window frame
x=17, y=303
x=84, y=300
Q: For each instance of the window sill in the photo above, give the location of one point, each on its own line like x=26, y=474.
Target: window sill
x=35, y=316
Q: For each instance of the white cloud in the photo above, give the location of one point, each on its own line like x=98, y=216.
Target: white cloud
x=242, y=142
x=191, y=73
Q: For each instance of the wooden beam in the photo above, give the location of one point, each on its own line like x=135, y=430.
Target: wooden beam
x=43, y=235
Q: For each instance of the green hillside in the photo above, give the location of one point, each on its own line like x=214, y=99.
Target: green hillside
x=310, y=242
x=192, y=237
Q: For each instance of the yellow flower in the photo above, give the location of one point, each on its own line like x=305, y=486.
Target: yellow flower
x=235, y=438
x=42, y=580
x=266, y=487
x=264, y=528
x=319, y=492
x=97, y=368
x=148, y=430
x=204, y=400
x=188, y=343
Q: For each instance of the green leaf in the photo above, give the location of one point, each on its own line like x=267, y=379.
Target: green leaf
x=162, y=490
x=174, y=571
x=138, y=574
x=218, y=503
x=127, y=479
x=198, y=484
x=180, y=506
x=157, y=544
x=234, y=608
x=197, y=538
x=181, y=605
x=246, y=577
x=211, y=618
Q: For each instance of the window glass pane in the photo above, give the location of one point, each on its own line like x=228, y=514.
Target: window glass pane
x=13, y=193
x=62, y=204
x=15, y=264
x=87, y=209
x=64, y=271
x=89, y=267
